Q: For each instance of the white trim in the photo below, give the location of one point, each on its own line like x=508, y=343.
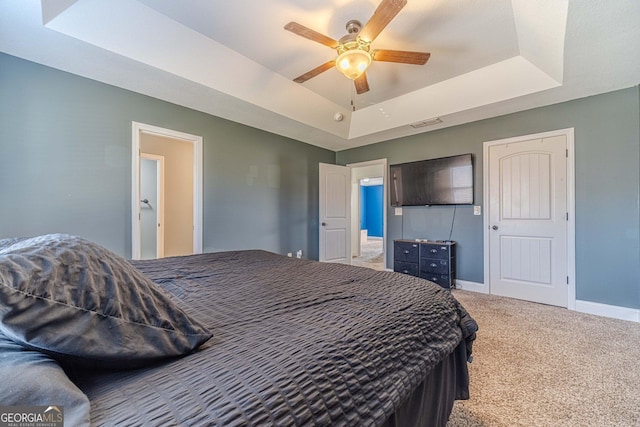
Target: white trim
x=198, y=199
x=588, y=307
x=571, y=203
x=485, y=217
x=571, y=222
x=472, y=286
x=139, y=128
x=356, y=243
x=135, y=191
x=613, y=311
x=160, y=197
x=385, y=186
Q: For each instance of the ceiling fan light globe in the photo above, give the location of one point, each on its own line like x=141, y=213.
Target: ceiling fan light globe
x=352, y=63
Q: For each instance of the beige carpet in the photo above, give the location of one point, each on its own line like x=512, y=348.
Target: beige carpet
x=370, y=254
x=537, y=365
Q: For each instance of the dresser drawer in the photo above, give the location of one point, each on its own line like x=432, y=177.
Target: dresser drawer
x=406, y=251
x=428, y=259
x=410, y=268
x=440, y=279
x=431, y=250
x=434, y=265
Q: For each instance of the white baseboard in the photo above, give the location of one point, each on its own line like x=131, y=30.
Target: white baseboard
x=614, y=311
x=472, y=286
x=599, y=309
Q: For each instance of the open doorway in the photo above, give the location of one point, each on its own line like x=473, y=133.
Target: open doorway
x=368, y=214
x=181, y=194
x=371, y=228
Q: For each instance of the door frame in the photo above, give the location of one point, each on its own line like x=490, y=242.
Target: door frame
x=160, y=198
x=137, y=130
x=571, y=229
x=383, y=163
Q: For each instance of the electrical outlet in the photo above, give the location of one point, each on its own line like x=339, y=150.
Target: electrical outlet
x=299, y=254
x=289, y=254
x=477, y=210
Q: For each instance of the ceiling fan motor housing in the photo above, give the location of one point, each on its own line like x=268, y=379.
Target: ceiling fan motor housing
x=353, y=53
x=354, y=56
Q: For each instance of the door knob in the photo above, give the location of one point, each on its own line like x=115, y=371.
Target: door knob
x=324, y=224
x=495, y=227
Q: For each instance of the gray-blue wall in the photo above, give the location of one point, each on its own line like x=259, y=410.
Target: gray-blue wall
x=65, y=166
x=607, y=156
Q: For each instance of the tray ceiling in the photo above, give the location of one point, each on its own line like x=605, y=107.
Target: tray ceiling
x=235, y=60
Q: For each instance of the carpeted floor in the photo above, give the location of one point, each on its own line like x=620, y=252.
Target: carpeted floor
x=370, y=254
x=538, y=365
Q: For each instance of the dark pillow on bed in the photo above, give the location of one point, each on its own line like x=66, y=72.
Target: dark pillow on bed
x=80, y=302
x=33, y=378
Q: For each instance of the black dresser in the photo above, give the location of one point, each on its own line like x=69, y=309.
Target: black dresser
x=428, y=259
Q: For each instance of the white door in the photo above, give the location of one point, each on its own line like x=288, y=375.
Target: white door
x=528, y=219
x=335, y=213
x=151, y=206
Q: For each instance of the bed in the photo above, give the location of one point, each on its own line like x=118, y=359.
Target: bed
x=237, y=338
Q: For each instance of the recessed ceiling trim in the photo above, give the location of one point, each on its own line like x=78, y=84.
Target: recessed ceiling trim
x=161, y=43
x=588, y=47
x=541, y=28
x=52, y=8
x=505, y=80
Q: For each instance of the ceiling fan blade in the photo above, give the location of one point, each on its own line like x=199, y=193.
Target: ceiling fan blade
x=362, y=85
x=310, y=34
x=311, y=74
x=403, y=56
x=386, y=11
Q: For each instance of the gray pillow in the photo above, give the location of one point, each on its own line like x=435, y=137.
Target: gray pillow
x=33, y=378
x=79, y=302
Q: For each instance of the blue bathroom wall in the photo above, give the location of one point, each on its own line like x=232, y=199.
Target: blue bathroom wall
x=363, y=208
x=371, y=210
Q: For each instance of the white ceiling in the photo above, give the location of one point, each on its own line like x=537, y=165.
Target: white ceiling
x=233, y=59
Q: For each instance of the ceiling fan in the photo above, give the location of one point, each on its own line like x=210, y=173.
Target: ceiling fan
x=354, y=53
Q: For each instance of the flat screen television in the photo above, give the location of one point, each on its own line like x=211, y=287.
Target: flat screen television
x=442, y=181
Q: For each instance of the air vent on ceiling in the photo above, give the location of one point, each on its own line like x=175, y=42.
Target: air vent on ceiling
x=429, y=122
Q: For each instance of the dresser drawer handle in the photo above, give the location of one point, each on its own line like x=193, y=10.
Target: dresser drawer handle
x=405, y=271
x=433, y=251
x=434, y=279
x=406, y=251
x=433, y=265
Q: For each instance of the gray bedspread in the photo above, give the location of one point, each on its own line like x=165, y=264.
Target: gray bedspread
x=295, y=342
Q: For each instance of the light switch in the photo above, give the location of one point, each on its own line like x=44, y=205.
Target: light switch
x=398, y=211
x=477, y=210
